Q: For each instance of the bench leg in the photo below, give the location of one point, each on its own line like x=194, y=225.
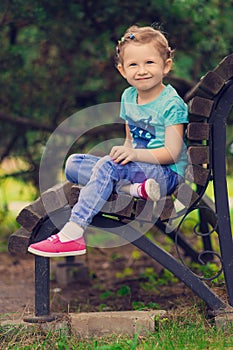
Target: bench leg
x=42, y=272
x=42, y=292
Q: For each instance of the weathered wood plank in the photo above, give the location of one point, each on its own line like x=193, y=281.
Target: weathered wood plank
x=56, y=197
x=186, y=195
x=198, y=154
x=122, y=204
x=50, y=200
x=209, y=85
x=31, y=215
x=197, y=174
x=19, y=241
x=73, y=195
x=165, y=208
x=144, y=209
x=200, y=106
x=225, y=68
x=212, y=83
x=198, y=131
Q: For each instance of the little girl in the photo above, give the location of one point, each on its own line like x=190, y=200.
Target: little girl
x=152, y=160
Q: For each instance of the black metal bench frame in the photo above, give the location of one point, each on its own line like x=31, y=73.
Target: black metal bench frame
x=210, y=103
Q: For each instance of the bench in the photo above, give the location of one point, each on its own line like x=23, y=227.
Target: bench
x=210, y=103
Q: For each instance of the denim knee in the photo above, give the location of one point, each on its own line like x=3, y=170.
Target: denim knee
x=105, y=165
x=103, y=160
x=70, y=167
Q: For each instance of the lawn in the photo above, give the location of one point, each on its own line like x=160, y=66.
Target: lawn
x=184, y=329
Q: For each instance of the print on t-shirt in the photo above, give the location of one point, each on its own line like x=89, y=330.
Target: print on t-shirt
x=142, y=132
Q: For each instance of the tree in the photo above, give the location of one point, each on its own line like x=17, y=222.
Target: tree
x=58, y=57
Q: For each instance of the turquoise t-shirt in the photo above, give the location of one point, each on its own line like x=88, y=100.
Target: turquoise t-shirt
x=148, y=122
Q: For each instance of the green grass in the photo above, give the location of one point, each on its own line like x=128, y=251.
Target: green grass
x=185, y=329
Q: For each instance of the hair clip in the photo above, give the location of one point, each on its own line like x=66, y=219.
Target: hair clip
x=122, y=39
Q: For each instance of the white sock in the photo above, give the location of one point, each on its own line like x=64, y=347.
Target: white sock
x=134, y=190
x=70, y=232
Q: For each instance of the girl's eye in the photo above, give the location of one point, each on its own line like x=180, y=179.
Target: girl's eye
x=132, y=65
x=149, y=62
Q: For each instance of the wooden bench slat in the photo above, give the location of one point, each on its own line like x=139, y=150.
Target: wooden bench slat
x=122, y=204
x=56, y=197
x=200, y=106
x=165, y=208
x=197, y=174
x=186, y=195
x=31, y=215
x=212, y=83
x=74, y=194
x=209, y=86
x=198, y=131
x=198, y=154
x=144, y=209
x=225, y=68
x=19, y=241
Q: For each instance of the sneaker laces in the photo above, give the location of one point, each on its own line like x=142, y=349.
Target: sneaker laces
x=52, y=238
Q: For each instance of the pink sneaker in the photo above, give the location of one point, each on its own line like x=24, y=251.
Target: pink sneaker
x=149, y=189
x=53, y=247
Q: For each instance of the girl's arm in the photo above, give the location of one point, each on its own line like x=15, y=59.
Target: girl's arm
x=168, y=154
x=128, y=137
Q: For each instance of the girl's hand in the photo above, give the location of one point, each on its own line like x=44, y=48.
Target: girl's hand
x=123, y=154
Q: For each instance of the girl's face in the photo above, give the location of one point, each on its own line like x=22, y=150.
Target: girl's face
x=144, y=68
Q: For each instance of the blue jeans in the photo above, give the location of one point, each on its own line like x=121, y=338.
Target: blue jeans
x=101, y=176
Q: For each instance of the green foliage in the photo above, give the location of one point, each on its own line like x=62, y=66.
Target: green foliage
x=136, y=254
x=58, y=57
x=106, y=294
x=152, y=280
x=123, y=291
x=140, y=305
x=128, y=271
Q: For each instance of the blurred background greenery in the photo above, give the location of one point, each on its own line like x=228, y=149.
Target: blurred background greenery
x=57, y=58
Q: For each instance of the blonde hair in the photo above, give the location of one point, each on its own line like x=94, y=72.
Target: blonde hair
x=143, y=35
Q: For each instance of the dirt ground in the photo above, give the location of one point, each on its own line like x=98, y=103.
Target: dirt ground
x=102, y=280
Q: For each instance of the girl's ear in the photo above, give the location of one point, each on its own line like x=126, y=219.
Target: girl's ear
x=167, y=66
x=121, y=70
